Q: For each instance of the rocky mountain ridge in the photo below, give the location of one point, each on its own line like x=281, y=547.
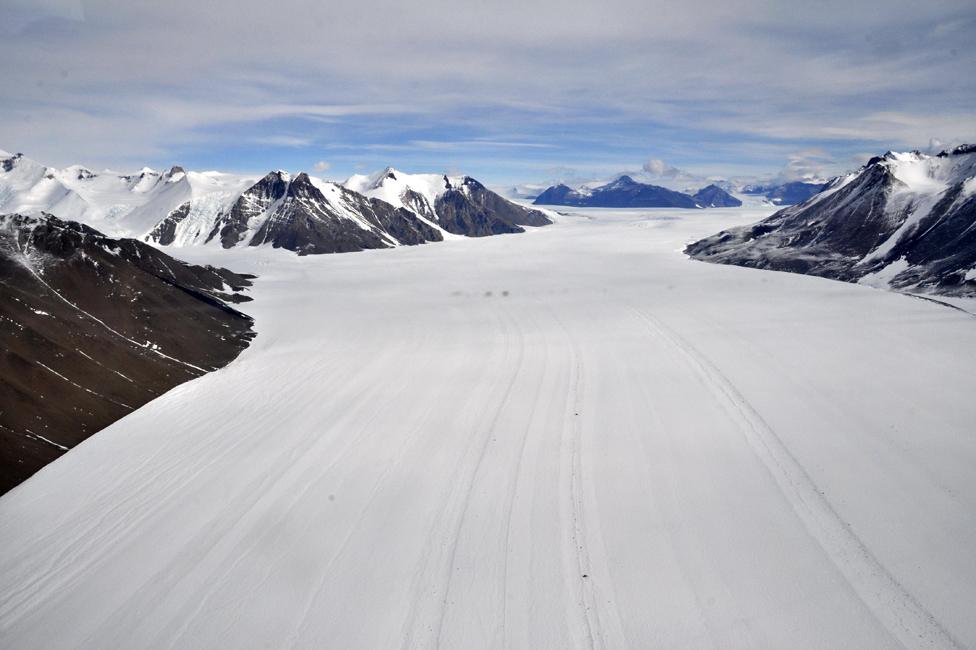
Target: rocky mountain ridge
x=625, y=192
x=905, y=221
x=301, y=213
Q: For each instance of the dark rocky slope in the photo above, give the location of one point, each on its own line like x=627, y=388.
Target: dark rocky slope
x=92, y=328
x=258, y=199
x=904, y=221
x=472, y=209
x=307, y=223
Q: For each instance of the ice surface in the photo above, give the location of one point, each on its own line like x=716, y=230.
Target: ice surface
x=570, y=437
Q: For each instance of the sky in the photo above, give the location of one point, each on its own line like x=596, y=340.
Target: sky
x=508, y=92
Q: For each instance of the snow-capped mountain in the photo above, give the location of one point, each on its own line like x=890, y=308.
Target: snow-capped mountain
x=625, y=192
x=905, y=221
x=95, y=327
x=458, y=205
x=301, y=213
x=121, y=205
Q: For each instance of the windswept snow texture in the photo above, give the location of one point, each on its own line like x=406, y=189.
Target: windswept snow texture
x=572, y=438
x=904, y=221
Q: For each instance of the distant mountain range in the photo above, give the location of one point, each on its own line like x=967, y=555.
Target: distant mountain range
x=301, y=213
x=789, y=193
x=93, y=328
x=905, y=221
x=625, y=192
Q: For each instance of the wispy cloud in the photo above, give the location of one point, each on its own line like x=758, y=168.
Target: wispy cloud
x=657, y=168
x=508, y=85
x=476, y=144
x=807, y=165
x=282, y=140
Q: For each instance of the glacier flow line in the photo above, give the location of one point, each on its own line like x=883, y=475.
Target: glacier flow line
x=892, y=604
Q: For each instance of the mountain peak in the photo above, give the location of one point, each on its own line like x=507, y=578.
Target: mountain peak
x=623, y=181
x=713, y=196
x=857, y=229
x=80, y=173
x=9, y=161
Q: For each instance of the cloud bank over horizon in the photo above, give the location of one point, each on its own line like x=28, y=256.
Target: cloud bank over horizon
x=504, y=91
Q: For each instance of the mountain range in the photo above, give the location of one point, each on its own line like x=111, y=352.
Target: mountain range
x=788, y=193
x=905, y=221
x=625, y=192
x=301, y=213
x=97, y=320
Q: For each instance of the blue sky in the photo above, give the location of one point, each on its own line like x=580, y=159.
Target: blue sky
x=508, y=92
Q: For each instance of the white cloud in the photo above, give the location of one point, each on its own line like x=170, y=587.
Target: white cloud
x=282, y=141
x=657, y=168
x=321, y=166
x=812, y=164
x=755, y=70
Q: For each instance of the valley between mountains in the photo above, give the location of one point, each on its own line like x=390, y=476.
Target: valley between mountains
x=574, y=436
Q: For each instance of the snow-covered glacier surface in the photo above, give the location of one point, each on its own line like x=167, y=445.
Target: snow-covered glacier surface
x=574, y=437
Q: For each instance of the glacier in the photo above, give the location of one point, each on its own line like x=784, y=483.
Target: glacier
x=576, y=437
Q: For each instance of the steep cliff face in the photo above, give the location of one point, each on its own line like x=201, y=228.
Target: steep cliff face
x=253, y=204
